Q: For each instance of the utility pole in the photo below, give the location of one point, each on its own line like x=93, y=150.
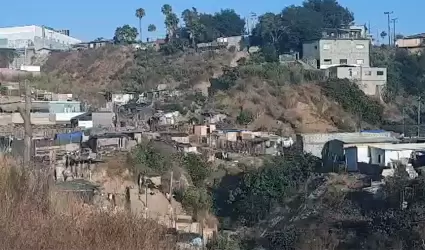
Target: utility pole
x=26, y=116
x=419, y=115
x=404, y=122
x=388, y=13
x=394, y=20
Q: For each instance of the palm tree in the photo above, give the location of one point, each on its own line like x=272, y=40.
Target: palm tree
x=166, y=9
x=140, y=13
x=151, y=28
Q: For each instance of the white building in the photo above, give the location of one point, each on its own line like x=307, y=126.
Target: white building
x=37, y=37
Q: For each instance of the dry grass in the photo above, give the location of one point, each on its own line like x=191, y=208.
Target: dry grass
x=32, y=217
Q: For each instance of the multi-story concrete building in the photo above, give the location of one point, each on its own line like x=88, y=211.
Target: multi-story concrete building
x=328, y=52
x=345, y=53
x=36, y=37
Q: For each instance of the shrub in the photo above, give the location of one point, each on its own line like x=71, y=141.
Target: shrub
x=244, y=117
x=352, y=99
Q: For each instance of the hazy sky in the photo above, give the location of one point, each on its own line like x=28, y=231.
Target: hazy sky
x=89, y=19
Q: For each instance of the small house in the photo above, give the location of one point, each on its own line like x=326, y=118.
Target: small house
x=108, y=142
x=170, y=118
x=203, y=130
x=382, y=155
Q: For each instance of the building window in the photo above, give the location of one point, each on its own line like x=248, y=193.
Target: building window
x=342, y=61
x=326, y=46
x=327, y=61
x=360, y=61
x=359, y=46
x=368, y=73
x=380, y=73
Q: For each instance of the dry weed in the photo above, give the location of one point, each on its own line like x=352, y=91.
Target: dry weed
x=32, y=217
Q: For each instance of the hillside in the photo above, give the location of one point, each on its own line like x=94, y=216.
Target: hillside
x=279, y=98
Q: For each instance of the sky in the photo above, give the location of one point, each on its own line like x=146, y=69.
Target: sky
x=88, y=20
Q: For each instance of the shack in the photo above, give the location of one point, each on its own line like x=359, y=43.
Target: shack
x=66, y=138
x=108, y=142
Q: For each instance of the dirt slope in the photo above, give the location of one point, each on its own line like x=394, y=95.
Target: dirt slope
x=287, y=108
x=301, y=108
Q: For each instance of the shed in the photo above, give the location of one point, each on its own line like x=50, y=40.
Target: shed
x=66, y=138
x=108, y=141
x=382, y=155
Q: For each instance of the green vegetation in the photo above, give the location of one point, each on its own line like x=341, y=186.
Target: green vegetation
x=151, y=160
x=352, y=99
x=244, y=117
x=125, y=35
x=276, y=181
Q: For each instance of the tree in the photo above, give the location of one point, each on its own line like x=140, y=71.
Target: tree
x=229, y=23
x=193, y=25
x=197, y=169
x=259, y=189
x=151, y=28
x=171, y=20
x=196, y=199
x=125, y=34
x=334, y=15
x=383, y=35
x=271, y=28
x=166, y=9
x=140, y=13
x=289, y=29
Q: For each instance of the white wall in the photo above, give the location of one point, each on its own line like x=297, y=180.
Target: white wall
x=66, y=117
x=18, y=36
x=395, y=155
x=85, y=124
x=30, y=68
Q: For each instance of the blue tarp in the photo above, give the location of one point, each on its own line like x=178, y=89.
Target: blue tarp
x=74, y=137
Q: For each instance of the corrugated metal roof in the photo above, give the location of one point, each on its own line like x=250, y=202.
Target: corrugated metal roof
x=367, y=139
x=402, y=146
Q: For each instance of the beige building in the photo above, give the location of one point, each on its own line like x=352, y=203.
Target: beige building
x=369, y=79
x=413, y=44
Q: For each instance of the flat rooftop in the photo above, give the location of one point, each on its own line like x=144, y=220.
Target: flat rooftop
x=366, y=139
x=401, y=146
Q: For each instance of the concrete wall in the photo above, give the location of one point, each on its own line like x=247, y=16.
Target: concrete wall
x=181, y=139
x=354, y=51
x=65, y=117
x=103, y=119
x=311, y=51
x=370, y=80
x=64, y=107
x=5, y=119
x=330, y=52
x=313, y=143
x=37, y=36
x=36, y=119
